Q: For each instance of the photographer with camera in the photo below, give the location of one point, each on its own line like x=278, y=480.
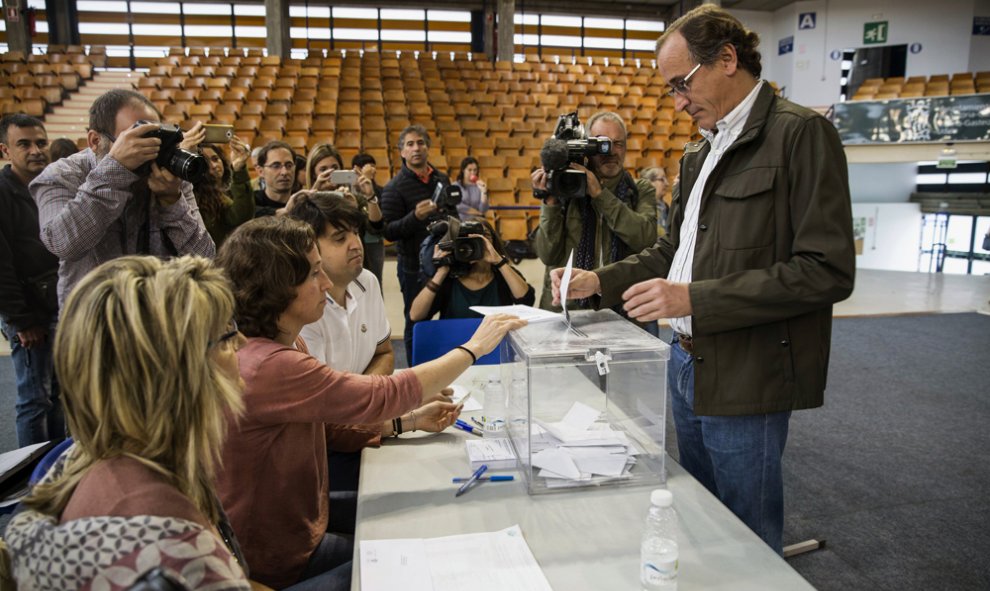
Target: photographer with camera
x=130, y=192
x=472, y=254
x=410, y=201
x=602, y=214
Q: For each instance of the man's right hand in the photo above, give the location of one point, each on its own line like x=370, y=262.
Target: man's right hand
x=425, y=209
x=32, y=337
x=584, y=284
x=132, y=149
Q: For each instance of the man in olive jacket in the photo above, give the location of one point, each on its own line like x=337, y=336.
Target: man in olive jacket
x=760, y=248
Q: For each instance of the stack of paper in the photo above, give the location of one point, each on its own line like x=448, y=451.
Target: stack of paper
x=579, y=447
x=495, y=452
x=479, y=562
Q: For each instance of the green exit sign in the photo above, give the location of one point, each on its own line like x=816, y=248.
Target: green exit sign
x=874, y=33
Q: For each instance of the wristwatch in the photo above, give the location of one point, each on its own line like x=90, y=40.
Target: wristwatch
x=502, y=263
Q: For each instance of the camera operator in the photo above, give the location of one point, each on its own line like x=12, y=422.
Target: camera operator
x=115, y=198
x=488, y=280
x=618, y=217
x=408, y=208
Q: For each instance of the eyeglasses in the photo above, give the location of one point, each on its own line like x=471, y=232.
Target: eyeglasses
x=681, y=86
x=231, y=333
x=276, y=166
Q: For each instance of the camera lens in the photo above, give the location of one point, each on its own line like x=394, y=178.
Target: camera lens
x=187, y=166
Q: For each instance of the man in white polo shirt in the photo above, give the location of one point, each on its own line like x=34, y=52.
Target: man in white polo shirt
x=353, y=335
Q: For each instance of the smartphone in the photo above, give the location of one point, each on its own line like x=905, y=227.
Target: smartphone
x=218, y=133
x=343, y=177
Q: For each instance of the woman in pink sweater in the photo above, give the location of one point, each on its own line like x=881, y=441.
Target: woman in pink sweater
x=274, y=482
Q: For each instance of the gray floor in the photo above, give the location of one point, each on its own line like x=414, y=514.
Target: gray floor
x=892, y=472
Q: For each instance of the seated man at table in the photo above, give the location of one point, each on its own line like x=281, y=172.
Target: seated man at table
x=353, y=335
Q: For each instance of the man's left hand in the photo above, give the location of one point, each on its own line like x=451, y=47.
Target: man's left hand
x=594, y=187
x=165, y=186
x=32, y=337
x=657, y=298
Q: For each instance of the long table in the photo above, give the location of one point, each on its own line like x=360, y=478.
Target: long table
x=582, y=539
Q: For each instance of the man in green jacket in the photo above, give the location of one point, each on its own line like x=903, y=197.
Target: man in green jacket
x=760, y=248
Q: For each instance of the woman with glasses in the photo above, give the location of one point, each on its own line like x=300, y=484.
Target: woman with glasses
x=275, y=481
x=488, y=281
x=146, y=355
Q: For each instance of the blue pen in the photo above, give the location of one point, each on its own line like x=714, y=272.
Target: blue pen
x=496, y=478
x=474, y=478
x=466, y=427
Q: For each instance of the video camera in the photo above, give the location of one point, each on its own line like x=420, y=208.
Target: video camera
x=184, y=164
x=460, y=249
x=447, y=199
x=570, y=143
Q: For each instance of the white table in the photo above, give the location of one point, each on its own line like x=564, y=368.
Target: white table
x=583, y=539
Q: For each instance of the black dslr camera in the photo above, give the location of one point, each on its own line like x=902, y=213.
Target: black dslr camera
x=184, y=164
x=458, y=247
x=570, y=143
x=447, y=199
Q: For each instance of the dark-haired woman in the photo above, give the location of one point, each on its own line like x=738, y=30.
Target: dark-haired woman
x=275, y=483
x=224, y=198
x=474, y=191
x=491, y=281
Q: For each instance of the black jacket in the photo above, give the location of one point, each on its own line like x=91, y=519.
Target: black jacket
x=398, y=203
x=22, y=255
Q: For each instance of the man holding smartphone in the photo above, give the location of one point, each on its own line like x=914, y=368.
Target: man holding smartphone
x=408, y=207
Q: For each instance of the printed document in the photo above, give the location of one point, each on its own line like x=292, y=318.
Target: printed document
x=480, y=562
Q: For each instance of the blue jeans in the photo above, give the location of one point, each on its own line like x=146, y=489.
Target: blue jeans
x=737, y=458
x=410, y=284
x=329, y=567
x=38, y=409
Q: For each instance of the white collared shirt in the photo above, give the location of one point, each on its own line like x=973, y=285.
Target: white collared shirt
x=345, y=338
x=728, y=129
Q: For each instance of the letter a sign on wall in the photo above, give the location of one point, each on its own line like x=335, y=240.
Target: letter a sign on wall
x=806, y=20
x=874, y=33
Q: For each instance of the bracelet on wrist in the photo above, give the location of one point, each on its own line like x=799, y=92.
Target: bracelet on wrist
x=502, y=263
x=430, y=285
x=474, y=358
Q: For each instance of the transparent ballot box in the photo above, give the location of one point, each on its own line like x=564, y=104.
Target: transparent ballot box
x=585, y=405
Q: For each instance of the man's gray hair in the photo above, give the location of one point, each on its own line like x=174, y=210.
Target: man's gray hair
x=417, y=129
x=606, y=116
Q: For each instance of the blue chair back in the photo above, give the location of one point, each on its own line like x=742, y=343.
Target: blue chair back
x=48, y=461
x=434, y=338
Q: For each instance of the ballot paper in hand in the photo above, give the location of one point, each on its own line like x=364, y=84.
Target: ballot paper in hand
x=480, y=562
x=470, y=405
x=565, y=282
x=527, y=313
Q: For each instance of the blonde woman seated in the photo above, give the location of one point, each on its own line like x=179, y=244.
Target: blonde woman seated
x=275, y=481
x=456, y=286
x=146, y=358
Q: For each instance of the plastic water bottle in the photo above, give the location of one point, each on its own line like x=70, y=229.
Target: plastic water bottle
x=658, y=553
x=494, y=406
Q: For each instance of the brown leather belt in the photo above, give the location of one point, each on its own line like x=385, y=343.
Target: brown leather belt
x=686, y=342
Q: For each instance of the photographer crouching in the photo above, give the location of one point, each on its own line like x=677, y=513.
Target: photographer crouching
x=472, y=256
x=591, y=205
x=130, y=192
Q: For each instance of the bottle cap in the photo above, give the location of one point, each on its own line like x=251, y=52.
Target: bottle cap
x=662, y=497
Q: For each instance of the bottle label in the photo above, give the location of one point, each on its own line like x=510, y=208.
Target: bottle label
x=659, y=571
